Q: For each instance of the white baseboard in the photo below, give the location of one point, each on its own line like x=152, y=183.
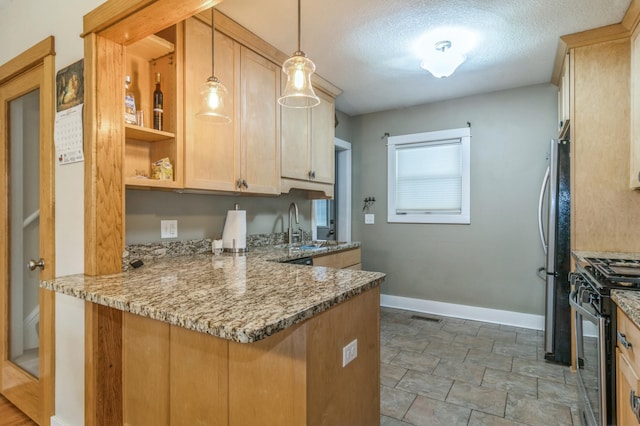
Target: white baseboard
x=57, y=422
x=496, y=316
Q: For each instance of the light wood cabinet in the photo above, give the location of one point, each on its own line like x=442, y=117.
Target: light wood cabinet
x=564, y=95
x=244, y=155
x=627, y=367
x=210, y=151
x=294, y=377
x=634, y=158
x=347, y=259
x=603, y=208
x=143, y=144
x=308, y=158
x=260, y=124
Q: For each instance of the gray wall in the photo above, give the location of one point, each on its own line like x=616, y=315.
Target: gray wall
x=203, y=215
x=492, y=262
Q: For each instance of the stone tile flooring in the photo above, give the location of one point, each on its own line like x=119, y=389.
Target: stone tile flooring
x=462, y=372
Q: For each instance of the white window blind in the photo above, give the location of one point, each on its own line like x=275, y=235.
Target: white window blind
x=428, y=177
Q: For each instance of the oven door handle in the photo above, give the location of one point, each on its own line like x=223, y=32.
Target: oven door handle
x=573, y=301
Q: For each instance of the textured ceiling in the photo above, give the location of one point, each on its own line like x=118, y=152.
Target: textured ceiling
x=365, y=46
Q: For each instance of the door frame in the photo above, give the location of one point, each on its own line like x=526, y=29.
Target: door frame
x=35, y=397
x=342, y=192
x=343, y=181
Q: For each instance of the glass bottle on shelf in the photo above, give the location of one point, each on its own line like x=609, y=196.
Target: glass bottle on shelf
x=158, y=110
x=129, y=103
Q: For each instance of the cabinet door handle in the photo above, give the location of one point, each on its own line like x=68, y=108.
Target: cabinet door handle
x=622, y=338
x=244, y=183
x=634, y=401
x=313, y=175
x=239, y=184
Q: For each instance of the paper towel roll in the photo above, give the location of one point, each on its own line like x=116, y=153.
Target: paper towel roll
x=235, y=228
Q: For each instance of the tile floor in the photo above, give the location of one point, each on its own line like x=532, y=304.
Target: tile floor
x=462, y=372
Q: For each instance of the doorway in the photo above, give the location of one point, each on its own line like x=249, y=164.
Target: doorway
x=27, y=218
x=331, y=219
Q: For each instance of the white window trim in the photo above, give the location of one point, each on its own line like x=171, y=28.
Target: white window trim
x=464, y=217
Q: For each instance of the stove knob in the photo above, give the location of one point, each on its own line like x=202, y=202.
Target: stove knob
x=585, y=296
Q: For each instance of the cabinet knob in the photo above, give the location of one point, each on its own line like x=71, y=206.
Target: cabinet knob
x=32, y=264
x=638, y=176
x=244, y=183
x=239, y=184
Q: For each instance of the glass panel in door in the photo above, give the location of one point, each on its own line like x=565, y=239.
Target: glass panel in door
x=24, y=225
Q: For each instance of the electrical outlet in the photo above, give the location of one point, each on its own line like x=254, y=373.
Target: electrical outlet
x=168, y=229
x=369, y=219
x=350, y=352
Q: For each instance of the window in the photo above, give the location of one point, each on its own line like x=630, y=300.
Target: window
x=322, y=212
x=428, y=177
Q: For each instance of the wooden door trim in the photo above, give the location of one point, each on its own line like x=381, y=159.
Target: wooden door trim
x=40, y=55
x=27, y=59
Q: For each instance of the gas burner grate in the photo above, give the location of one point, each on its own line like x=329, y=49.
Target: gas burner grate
x=624, y=272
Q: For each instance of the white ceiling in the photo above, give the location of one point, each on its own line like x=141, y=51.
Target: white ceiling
x=364, y=46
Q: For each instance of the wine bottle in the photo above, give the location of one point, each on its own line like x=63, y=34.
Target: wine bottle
x=129, y=103
x=158, y=110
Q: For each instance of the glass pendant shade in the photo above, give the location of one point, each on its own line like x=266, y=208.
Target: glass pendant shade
x=298, y=93
x=443, y=62
x=213, y=105
x=213, y=94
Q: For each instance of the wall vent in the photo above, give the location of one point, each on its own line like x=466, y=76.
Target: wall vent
x=423, y=318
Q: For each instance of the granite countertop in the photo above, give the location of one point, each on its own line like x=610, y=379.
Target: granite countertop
x=240, y=298
x=629, y=302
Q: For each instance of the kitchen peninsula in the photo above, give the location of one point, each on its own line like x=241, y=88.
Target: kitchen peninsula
x=227, y=340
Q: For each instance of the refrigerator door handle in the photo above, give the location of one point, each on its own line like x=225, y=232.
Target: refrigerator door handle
x=545, y=184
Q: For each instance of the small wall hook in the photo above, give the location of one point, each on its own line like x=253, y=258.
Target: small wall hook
x=368, y=202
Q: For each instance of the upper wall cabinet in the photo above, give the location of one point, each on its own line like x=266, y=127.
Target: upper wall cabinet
x=211, y=155
x=308, y=146
x=144, y=144
x=244, y=155
x=634, y=164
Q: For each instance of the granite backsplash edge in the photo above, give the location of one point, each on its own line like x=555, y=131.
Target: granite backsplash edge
x=157, y=250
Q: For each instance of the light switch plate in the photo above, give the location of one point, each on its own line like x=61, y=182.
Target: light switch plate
x=369, y=219
x=168, y=229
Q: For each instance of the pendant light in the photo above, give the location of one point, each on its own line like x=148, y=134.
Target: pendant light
x=298, y=93
x=213, y=94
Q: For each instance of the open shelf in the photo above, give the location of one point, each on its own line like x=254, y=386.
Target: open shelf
x=146, y=134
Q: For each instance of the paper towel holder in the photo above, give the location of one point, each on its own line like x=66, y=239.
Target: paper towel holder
x=234, y=249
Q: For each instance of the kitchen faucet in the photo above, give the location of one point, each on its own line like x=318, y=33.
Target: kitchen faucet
x=293, y=208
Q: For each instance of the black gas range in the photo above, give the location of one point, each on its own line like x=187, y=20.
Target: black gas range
x=595, y=330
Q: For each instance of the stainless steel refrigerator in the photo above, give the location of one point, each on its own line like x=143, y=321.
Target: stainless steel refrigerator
x=554, y=224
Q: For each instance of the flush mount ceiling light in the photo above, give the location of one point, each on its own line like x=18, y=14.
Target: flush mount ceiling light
x=443, y=62
x=213, y=94
x=298, y=93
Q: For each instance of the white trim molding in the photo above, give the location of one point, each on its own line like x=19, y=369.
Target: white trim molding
x=516, y=319
x=54, y=421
